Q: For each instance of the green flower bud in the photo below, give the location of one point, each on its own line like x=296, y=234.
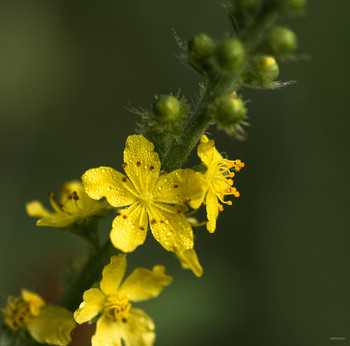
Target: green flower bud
x=166, y=108
x=266, y=68
x=201, y=46
x=282, y=40
x=229, y=110
x=230, y=55
x=296, y=5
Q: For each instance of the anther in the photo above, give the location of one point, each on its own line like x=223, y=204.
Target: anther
x=125, y=216
x=138, y=163
x=151, y=168
x=75, y=196
x=124, y=320
x=175, y=186
x=52, y=195
x=119, y=213
x=124, y=164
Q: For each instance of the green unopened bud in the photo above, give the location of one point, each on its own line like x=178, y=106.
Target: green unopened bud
x=230, y=55
x=166, y=108
x=266, y=68
x=201, y=46
x=229, y=110
x=296, y=5
x=282, y=40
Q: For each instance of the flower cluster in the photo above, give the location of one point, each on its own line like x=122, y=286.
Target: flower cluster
x=153, y=194
x=145, y=197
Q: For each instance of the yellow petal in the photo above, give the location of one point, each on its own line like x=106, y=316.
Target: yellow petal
x=129, y=229
x=138, y=330
x=36, y=209
x=113, y=274
x=144, y=284
x=170, y=227
x=107, y=182
x=84, y=205
x=141, y=163
x=212, y=211
x=91, y=306
x=207, y=152
x=189, y=260
x=53, y=326
x=108, y=333
x=58, y=220
x=34, y=300
x=183, y=186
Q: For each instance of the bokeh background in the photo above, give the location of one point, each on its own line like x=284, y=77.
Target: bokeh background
x=276, y=271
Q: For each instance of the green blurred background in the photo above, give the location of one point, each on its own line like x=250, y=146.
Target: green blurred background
x=276, y=271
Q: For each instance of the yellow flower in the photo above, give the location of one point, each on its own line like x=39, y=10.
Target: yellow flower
x=74, y=206
x=118, y=319
x=45, y=324
x=151, y=199
x=218, y=177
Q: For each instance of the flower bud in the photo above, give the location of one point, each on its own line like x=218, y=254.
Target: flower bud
x=229, y=110
x=201, y=46
x=230, y=55
x=166, y=107
x=282, y=40
x=266, y=68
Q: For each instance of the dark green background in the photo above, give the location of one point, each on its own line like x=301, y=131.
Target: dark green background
x=276, y=271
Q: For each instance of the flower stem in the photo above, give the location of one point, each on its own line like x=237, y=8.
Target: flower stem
x=88, y=276
x=195, y=126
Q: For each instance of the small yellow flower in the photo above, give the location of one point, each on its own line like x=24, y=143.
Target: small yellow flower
x=20, y=309
x=218, y=177
x=73, y=207
x=151, y=198
x=46, y=324
x=118, y=319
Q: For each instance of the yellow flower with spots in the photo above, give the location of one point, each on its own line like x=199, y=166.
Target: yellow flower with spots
x=150, y=198
x=118, y=320
x=46, y=324
x=74, y=207
x=218, y=178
